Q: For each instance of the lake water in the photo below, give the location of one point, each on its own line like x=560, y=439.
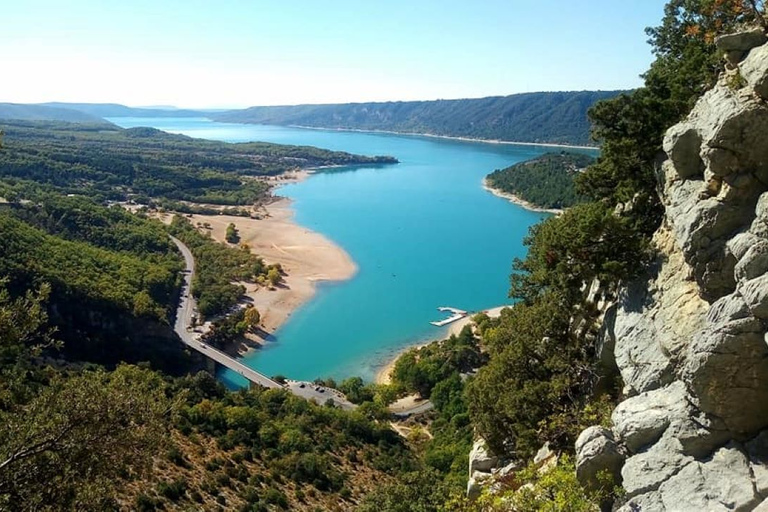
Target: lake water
x=424, y=233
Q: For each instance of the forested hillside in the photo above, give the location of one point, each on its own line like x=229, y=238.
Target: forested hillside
x=545, y=182
x=117, y=110
x=143, y=163
x=29, y=112
x=554, y=117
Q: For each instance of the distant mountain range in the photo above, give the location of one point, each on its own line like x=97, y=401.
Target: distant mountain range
x=117, y=110
x=541, y=117
x=45, y=113
x=553, y=117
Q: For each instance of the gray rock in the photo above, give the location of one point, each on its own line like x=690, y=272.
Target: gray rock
x=754, y=263
x=728, y=308
x=741, y=41
x=755, y=292
x=761, y=208
x=762, y=507
x=696, y=370
x=682, y=143
x=480, y=459
x=597, y=451
x=741, y=243
x=642, y=361
x=476, y=483
x=641, y=420
x=721, y=483
x=648, y=502
x=726, y=369
x=544, y=454
x=646, y=471
x=754, y=69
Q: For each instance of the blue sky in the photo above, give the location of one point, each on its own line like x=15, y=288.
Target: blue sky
x=236, y=53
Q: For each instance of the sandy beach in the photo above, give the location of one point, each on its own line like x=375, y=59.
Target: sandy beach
x=306, y=256
x=518, y=201
x=383, y=375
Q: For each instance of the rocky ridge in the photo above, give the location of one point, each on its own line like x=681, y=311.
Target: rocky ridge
x=690, y=341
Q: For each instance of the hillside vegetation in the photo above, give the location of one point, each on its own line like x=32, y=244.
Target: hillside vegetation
x=143, y=163
x=29, y=112
x=554, y=117
x=547, y=181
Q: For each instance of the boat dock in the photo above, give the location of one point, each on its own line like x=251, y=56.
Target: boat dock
x=457, y=314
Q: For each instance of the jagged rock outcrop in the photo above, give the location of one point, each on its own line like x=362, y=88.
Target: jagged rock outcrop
x=691, y=342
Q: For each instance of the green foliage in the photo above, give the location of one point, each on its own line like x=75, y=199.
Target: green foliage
x=294, y=436
x=231, y=235
x=587, y=242
x=112, y=163
x=546, y=181
x=227, y=330
x=419, y=370
x=24, y=334
x=555, y=117
x=422, y=491
x=68, y=447
x=357, y=391
x=555, y=490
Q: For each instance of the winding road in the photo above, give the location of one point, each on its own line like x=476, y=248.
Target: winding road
x=183, y=325
x=188, y=309
x=308, y=390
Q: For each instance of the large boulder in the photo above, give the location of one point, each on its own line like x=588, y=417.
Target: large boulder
x=721, y=483
x=726, y=369
x=754, y=69
x=597, y=451
x=682, y=143
x=741, y=41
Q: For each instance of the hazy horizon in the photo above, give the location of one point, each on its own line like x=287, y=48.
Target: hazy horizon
x=236, y=54
x=218, y=107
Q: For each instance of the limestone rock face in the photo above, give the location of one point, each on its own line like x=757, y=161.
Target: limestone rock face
x=754, y=69
x=596, y=451
x=691, y=339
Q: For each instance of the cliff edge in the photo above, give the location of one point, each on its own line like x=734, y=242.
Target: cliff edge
x=690, y=341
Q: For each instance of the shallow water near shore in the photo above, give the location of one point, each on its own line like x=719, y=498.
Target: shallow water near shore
x=424, y=234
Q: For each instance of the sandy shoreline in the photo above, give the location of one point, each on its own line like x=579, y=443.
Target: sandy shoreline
x=447, y=137
x=519, y=201
x=307, y=257
x=383, y=374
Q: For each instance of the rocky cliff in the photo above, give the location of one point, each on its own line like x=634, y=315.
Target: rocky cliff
x=690, y=341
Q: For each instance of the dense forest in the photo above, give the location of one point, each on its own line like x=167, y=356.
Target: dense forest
x=554, y=117
x=143, y=163
x=547, y=181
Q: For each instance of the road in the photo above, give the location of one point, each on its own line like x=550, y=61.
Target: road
x=308, y=390
x=187, y=309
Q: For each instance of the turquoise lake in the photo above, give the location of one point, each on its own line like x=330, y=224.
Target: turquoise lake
x=424, y=233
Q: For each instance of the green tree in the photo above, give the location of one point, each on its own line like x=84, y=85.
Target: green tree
x=24, y=334
x=68, y=446
x=232, y=236
x=274, y=277
x=252, y=317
